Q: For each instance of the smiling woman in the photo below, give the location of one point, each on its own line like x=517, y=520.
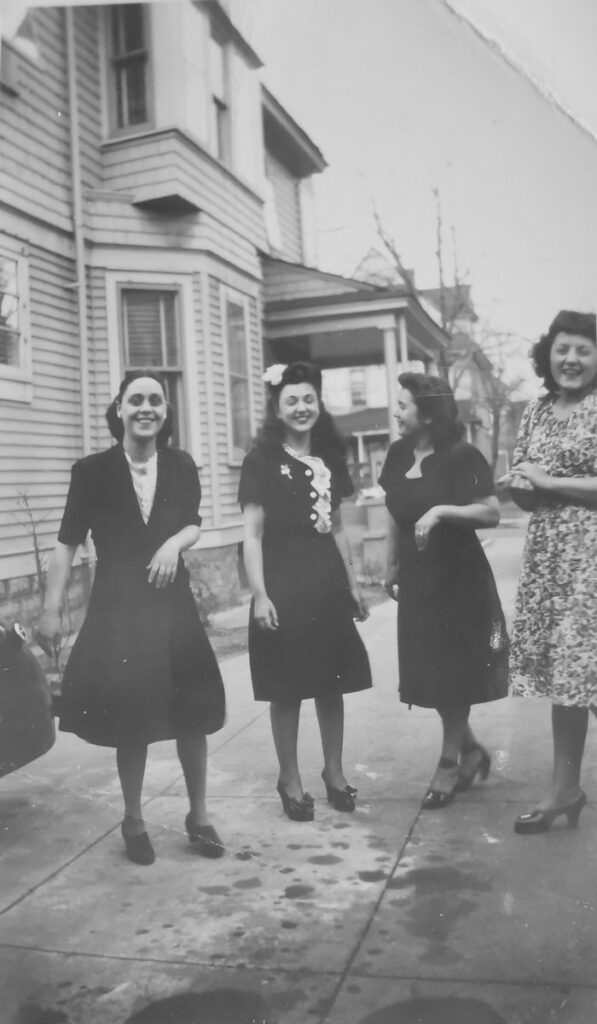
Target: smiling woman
x=141, y=669
x=553, y=636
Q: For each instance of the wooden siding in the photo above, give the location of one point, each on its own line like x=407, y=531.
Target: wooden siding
x=165, y=162
x=42, y=439
x=284, y=282
x=34, y=129
x=288, y=207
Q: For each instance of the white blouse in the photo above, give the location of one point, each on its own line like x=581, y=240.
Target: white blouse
x=144, y=476
x=321, y=483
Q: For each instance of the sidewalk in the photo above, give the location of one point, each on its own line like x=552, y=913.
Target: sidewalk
x=387, y=916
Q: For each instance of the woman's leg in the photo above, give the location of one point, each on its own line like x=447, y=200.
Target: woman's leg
x=455, y=729
x=569, y=726
x=131, y=760
x=192, y=754
x=284, y=717
x=330, y=715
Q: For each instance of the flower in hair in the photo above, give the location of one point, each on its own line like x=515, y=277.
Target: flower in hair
x=273, y=375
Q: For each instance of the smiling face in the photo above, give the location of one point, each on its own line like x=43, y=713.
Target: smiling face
x=298, y=408
x=142, y=410
x=573, y=363
x=407, y=414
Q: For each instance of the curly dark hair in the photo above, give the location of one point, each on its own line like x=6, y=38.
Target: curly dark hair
x=113, y=420
x=568, y=321
x=435, y=402
x=326, y=441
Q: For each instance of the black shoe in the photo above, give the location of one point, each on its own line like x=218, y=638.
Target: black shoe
x=481, y=768
x=435, y=799
x=340, y=799
x=138, y=847
x=541, y=821
x=297, y=810
x=204, y=839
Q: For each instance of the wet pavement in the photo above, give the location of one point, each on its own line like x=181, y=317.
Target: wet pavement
x=386, y=916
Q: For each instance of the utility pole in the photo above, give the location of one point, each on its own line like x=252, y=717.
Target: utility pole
x=440, y=262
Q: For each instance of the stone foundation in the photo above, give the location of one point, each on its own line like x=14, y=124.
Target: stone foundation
x=214, y=582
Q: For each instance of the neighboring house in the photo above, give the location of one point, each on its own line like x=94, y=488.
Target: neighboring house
x=134, y=216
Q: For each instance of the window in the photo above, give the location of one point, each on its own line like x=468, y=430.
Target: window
x=151, y=337
x=18, y=39
x=129, y=65
x=15, y=356
x=358, y=389
x=220, y=114
x=238, y=377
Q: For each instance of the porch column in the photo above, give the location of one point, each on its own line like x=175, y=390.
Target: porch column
x=391, y=363
x=403, y=335
x=362, y=454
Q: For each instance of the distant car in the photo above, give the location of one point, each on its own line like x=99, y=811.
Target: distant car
x=368, y=494
x=26, y=719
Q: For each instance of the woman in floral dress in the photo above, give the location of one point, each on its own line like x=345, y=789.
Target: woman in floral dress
x=554, y=649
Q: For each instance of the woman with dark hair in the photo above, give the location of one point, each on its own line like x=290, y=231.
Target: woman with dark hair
x=553, y=636
x=141, y=669
x=452, y=643
x=302, y=639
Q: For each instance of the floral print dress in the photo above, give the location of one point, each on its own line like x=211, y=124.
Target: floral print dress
x=554, y=637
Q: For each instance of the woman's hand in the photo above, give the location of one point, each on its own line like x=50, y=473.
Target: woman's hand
x=48, y=633
x=164, y=564
x=361, y=611
x=425, y=525
x=535, y=475
x=265, y=613
x=391, y=582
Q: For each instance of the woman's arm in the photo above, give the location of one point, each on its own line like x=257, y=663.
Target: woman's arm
x=391, y=574
x=485, y=512
x=48, y=628
x=253, y=521
x=346, y=555
x=164, y=564
x=580, y=488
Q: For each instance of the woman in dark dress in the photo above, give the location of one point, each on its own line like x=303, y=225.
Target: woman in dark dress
x=302, y=639
x=142, y=669
x=452, y=642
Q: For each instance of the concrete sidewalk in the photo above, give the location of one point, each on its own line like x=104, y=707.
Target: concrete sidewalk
x=386, y=916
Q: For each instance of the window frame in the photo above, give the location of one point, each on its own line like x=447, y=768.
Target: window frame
x=227, y=294
x=16, y=382
x=220, y=141
x=111, y=63
x=182, y=285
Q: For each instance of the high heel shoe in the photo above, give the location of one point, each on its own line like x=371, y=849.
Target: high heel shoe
x=138, y=847
x=541, y=821
x=204, y=839
x=481, y=767
x=435, y=799
x=297, y=810
x=340, y=799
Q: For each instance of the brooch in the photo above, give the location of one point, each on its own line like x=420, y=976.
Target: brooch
x=285, y=471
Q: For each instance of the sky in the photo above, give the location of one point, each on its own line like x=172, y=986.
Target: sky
x=405, y=96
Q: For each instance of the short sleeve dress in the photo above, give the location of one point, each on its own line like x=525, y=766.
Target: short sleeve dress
x=316, y=648
x=554, y=643
x=452, y=641
x=141, y=667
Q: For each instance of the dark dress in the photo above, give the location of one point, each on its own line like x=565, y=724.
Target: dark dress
x=316, y=649
x=452, y=641
x=142, y=667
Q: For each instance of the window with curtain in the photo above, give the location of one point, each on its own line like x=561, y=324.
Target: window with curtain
x=238, y=378
x=129, y=65
x=151, y=338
